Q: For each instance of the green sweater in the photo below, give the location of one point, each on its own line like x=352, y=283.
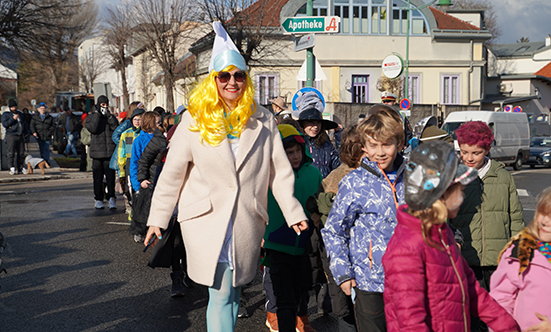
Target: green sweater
x=489, y=216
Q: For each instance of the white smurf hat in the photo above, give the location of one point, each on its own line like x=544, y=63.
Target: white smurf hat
x=224, y=51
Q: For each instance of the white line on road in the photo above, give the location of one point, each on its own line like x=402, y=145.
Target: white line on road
x=118, y=223
x=523, y=192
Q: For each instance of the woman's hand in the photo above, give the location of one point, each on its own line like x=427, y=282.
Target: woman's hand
x=544, y=326
x=348, y=285
x=153, y=230
x=300, y=227
x=145, y=183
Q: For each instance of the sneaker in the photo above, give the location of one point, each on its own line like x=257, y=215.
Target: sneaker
x=112, y=203
x=12, y=171
x=271, y=322
x=24, y=171
x=242, y=313
x=303, y=324
x=139, y=238
x=177, y=284
x=99, y=205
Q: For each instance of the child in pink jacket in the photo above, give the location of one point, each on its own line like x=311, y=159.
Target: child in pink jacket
x=522, y=281
x=428, y=284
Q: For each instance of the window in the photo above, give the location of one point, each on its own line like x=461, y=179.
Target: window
x=414, y=83
x=372, y=16
x=450, y=89
x=266, y=88
x=317, y=85
x=360, y=89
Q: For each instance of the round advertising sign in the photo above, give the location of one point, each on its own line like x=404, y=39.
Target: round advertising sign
x=392, y=66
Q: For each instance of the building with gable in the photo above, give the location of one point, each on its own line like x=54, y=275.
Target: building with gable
x=447, y=58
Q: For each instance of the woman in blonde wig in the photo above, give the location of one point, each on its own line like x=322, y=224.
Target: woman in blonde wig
x=224, y=155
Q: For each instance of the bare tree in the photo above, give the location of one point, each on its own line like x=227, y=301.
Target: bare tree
x=164, y=25
x=90, y=68
x=117, y=39
x=395, y=86
x=252, y=24
x=144, y=77
x=490, y=16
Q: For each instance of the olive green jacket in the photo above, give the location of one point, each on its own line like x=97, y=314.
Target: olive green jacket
x=489, y=216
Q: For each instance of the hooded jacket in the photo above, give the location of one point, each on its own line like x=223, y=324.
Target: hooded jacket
x=278, y=235
x=101, y=127
x=361, y=222
x=489, y=216
x=521, y=282
x=431, y=288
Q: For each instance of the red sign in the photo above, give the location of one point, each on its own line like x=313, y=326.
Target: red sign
x=405, y=104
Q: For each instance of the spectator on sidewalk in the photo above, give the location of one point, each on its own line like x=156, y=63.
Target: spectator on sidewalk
x=42, y=128
x=71, y=128
x=14, y=123
x=101, y=125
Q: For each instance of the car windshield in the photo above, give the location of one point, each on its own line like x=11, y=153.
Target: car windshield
x=540, y=141
x=451, y=127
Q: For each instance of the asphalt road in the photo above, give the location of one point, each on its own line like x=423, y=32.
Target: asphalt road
x=74, y=268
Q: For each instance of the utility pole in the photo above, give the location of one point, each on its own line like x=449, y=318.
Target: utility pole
x=310, y=62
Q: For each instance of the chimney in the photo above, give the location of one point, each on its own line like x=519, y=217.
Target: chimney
x=548, y=40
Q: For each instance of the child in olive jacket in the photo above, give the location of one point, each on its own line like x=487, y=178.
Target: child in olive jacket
x=284, y=248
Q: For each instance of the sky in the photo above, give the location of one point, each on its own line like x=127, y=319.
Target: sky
x=516, y=18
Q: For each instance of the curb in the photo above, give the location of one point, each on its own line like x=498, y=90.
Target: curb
x=42, y=178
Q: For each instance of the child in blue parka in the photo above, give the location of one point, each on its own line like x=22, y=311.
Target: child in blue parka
x=363, y=217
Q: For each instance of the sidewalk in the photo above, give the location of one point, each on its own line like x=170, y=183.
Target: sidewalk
x=53, y=173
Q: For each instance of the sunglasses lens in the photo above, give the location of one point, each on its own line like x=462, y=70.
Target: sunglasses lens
x=224, y=77
x=239, y=76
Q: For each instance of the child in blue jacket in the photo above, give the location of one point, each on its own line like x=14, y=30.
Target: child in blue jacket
x=363, y=217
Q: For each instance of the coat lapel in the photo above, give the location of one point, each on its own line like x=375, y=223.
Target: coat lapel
x=248, y=137
x=224, y=152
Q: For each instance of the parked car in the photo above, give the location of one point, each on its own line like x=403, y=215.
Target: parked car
x=511, y=134
x=540, y=151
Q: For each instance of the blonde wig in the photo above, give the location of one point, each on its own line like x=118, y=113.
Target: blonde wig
x=214, y=118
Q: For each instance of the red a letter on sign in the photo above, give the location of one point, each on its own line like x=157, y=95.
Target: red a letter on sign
x=332, y=25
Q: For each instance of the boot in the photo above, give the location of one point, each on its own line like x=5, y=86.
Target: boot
x=177, y=284
x=271, y=322
x=303, y=324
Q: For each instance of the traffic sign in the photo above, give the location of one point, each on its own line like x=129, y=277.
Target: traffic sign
x=305, y=42
x=405, y=104
x=517, y=109
x=508, y=108
x=33, y=102
x=311, y=24
x=300, y=92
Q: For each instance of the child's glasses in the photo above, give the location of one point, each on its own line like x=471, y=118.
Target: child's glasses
x=224, y=76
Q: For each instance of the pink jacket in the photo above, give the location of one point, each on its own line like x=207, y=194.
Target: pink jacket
x=432, y=288
x=522, y=296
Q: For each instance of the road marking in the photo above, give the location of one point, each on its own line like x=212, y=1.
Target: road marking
x=4, y=192
x=529, y=209
x=523, y=192
x=118, y=223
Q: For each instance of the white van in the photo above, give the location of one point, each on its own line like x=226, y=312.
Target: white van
x=511, y=133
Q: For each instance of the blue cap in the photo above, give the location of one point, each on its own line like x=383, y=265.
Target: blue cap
x=180, y=109
x=42, y=104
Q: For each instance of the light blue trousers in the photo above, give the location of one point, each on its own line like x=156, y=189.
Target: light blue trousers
x=223, y=301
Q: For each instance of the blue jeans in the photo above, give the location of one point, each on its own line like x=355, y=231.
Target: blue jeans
x=223, y=303
x=44, y=147
x=71, y=137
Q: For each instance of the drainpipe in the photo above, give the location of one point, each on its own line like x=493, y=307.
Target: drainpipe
x=470, y=73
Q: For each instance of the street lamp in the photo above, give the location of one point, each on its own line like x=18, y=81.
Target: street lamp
x=443, y=3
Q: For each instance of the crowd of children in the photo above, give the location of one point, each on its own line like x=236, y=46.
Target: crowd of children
x=434, y=241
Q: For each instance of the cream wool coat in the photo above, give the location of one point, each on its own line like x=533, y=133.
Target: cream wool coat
x=210, y=187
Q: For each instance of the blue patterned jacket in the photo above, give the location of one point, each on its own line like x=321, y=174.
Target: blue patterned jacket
x=360, y=224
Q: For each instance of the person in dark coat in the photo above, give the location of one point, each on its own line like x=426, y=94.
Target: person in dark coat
x=71, y=127
x=42, y=128
x=16, y=130
x=101, y=124
x=147, y=164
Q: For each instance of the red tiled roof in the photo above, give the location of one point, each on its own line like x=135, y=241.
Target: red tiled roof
x=265, y=10
x=545, y=71
x=448, y=22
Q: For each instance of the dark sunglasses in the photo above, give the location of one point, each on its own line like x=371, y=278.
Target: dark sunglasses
x=224, y=76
